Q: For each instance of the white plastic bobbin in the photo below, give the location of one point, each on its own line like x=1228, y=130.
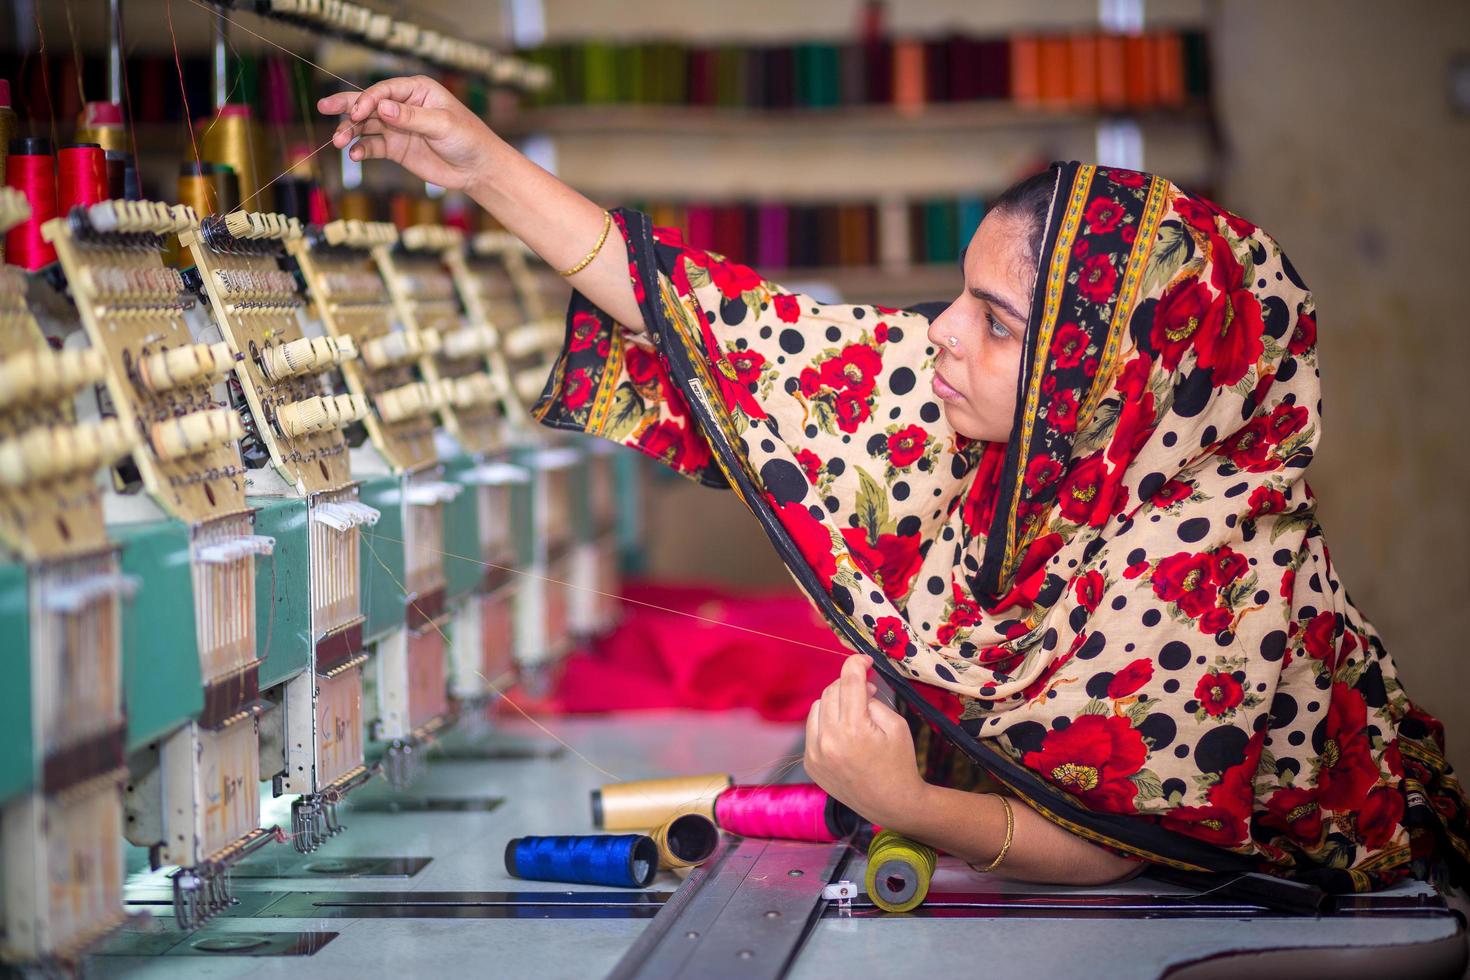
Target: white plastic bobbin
x=73, y=596
x=431, y=492
x=496, y=474
x=344, y=515
x=224, y=552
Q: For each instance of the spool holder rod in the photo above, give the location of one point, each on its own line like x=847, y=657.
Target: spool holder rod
x=221, y=64
x=114, y=52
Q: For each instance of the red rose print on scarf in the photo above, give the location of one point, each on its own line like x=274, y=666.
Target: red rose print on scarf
x=1229, y=340
x=1379, y=817
x=855, y=369
x=1347, y=770
x=1304, y=333
x=892, y=636
x=1069, y=345
x=733, y=278
x=1041, y=473
x=1061, y=412
x=585, y=328
x=642, y=365
x=1177, y=320
x=1102, y=216
x=1079, y=491
x=811, y=537
x=811, y=464
x=1188, y=581
x=1132, y=677
x=1319, y=638
x=1285, y=421
x=852, y=409
x=1090, y=589
x=578, y=389
x=1092, y=759
x=893, y=560
x=1218, y=694
x=747, y=364
x=1173, y=492
x=1250, y=447
x=788, y=307
x=1097, y=277
x=1133, y=379
x=1265, y=500
x=1294, y=811
x=906, y=446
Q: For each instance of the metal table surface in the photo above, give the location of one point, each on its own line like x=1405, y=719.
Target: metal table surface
x=472, y=920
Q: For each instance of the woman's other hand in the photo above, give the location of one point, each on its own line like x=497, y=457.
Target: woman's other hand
x=419, y=125
x=859, y=750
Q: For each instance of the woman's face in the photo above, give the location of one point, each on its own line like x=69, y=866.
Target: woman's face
x=979, y=337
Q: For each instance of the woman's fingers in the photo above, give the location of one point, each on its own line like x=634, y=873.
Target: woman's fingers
x=335, y=105
x=813, y=728
x=851, y=686
x=395, y=89
x=831, y=708
x=887, y=720
x=370, y=148
x=430, y=123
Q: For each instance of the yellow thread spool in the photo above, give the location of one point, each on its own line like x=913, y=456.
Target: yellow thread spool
x=355, y=205
x=653, y=802
x=899, y=871
x=233, y=138
x=686, y=841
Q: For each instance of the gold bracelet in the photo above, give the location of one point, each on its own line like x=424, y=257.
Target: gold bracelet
x=1010, y=836
x=606, y=227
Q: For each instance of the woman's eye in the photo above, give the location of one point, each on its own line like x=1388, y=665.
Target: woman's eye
x=996, y=330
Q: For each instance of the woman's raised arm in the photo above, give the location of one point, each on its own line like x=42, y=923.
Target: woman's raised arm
x=419, y=125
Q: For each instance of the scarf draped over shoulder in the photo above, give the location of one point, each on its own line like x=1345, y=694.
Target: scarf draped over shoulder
x=1127, y=614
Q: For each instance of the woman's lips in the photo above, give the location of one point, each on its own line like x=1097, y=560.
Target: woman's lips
x=945, y=390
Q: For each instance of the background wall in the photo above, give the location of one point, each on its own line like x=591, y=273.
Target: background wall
x=1339, y=138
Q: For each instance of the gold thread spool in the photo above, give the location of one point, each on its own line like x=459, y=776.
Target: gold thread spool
x=426, y=211
x=648, y=803
x=232, y=137
x=185, y=364
x=102, y=123
x=196, y=432
x=197, y=188
x=355, y=205
x=899, y=872
x=686, y=841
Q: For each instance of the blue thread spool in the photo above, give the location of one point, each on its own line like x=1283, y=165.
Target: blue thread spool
x=624, y=860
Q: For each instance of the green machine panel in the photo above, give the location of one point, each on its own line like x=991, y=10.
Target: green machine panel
x=283, y=589
x=381, y=558
x=162, y=686
x=523, y=504
x=462, y=569
x=17, y=761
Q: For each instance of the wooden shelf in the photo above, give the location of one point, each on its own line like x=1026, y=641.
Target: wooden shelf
x=716, y=120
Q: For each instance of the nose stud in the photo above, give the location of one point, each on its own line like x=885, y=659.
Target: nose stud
x=954, y=342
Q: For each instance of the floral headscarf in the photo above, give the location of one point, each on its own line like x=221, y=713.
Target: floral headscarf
x=1126, y=614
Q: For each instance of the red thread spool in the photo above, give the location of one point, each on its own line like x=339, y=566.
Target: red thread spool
x=31, y=169
x=802, y=811
x=81, y=176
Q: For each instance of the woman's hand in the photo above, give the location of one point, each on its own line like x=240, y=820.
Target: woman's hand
x=419, y=125
x=860, y=751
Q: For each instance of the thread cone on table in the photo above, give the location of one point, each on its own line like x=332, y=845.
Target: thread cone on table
x=623, y=861
x=685, y=841
x=899, y=872
x=646, y=803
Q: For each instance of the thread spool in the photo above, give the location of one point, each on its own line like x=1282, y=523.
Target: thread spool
x=81, y=176
x=233, y=138
x=198, y=188
x=468, y=342
x=623, y=861
x=648, y=803
x=196, y=432
x=46, y=374
x=8, y=124
x=426, y=211
x=226, y=187
x=183, y=365
x=44, y=454
x=103, y=123
x=293, y=197
x=899, y=872
x=355, y=206
x=802, y=811
x=686, y=841
x=122, y=176
x=31, y=170
x=401, y=211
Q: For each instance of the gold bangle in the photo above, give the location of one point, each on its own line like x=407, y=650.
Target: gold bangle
x=1010, y=836
x=602, y=240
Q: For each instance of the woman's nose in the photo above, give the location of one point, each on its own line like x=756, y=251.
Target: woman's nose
x=941, y=334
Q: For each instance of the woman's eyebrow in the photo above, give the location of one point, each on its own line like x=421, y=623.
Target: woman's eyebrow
x=999, y=301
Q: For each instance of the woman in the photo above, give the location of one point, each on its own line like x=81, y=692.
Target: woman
x=1066, y=517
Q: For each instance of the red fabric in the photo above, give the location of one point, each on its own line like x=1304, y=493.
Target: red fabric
x=660, y=659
